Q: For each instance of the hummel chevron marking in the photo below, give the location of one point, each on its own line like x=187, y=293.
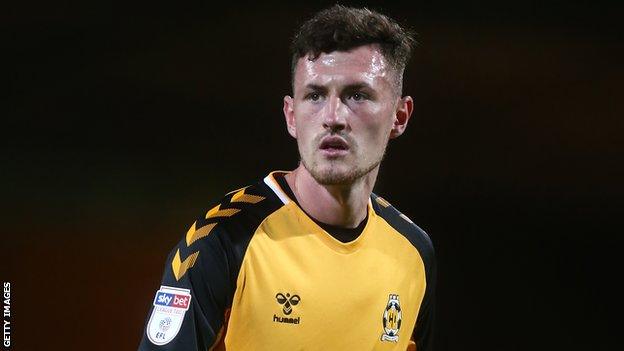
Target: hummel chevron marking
x=195, y=234
x=240, y=196
x=218, y=212
x=180, y=267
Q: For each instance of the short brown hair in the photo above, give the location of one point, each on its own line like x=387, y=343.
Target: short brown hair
x=341, y=28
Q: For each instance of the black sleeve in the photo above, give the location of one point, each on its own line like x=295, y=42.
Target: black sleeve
x=423, y=331
x=188, y=310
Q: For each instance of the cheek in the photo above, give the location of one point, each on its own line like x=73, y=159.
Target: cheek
x=374, y=124
x=307, y=116
x=307, y=109
x=305, y=129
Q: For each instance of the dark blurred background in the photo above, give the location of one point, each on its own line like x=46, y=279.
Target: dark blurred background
x=122, y=122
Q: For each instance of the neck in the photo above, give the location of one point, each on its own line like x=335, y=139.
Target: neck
x=339, y=205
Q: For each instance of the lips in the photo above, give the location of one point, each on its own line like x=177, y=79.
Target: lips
x=333, y=147
x=334, y=143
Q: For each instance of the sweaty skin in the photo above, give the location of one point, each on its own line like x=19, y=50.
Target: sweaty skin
x=344, y=110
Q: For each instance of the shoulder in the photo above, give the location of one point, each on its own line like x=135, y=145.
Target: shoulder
x=405, y=226
x=234, y=218
x=221, y=234
x=216, y=242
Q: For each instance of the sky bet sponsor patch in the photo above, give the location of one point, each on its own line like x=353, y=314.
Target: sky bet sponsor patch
x=170, y=305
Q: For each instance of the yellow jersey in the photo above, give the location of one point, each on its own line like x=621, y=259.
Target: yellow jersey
x=255, y=272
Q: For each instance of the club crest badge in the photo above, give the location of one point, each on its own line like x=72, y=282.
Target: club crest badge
x=392, y=319
x=170, y=305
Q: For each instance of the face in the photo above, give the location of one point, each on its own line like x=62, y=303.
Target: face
x=344, y=110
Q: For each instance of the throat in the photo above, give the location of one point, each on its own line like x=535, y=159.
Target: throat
x=346, y=208
x=340, y=233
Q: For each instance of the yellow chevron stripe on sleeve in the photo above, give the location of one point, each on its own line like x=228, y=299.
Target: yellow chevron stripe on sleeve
x=218, y=212
x=237, y=190
x=240, y=196
x=190, y=232
x=180, y=267
x=195, y=234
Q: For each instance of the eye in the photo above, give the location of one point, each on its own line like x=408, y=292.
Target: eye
x=313, y=96
x=358, y=96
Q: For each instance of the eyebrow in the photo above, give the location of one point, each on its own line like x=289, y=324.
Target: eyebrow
x=358, y=86
x=350, y=87
x=315, y=87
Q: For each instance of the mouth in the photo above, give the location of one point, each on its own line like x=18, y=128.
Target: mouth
x=334, y=146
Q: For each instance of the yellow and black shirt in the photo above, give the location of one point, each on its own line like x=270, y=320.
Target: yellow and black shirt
x=257, y=273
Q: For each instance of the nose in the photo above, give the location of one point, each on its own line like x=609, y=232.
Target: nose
x=334, y=114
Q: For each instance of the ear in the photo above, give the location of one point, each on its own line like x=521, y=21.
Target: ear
x=401, y=116
x=289, y=114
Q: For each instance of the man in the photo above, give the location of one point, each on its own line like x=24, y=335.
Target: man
x=312, y=259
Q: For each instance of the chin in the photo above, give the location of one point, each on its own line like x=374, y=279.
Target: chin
x=333, y=178
x=333, y=174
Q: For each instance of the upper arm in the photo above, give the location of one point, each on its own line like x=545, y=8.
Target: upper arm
x=423, y=331
x=201, y=272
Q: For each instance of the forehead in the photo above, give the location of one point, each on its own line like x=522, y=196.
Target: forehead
x=365, y=64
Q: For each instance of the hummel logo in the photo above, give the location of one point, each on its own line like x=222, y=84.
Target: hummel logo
x=288, y=301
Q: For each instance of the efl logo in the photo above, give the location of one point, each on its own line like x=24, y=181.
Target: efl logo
x=170, y=306
x=169, y=299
